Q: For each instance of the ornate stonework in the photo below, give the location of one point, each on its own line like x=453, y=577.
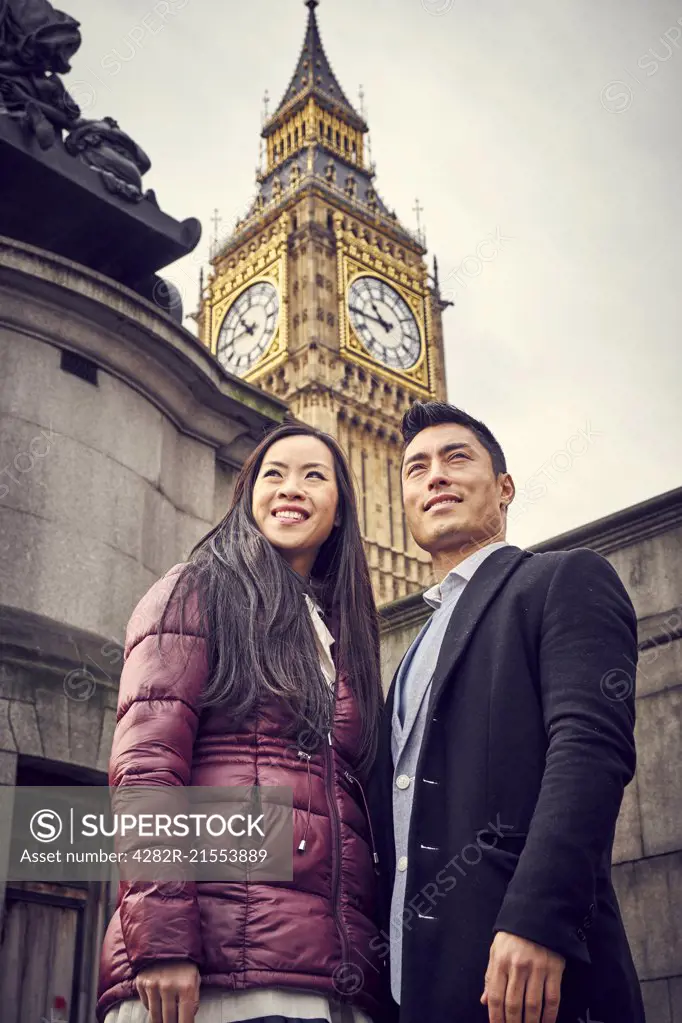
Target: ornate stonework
x=317, y=227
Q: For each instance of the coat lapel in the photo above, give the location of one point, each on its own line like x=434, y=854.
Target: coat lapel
x=386, y=720
x=402, y=729
x=384, y=758
x=480, y=591
x=380, y=793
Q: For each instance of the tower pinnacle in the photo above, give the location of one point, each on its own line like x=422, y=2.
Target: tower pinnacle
x=314, y=75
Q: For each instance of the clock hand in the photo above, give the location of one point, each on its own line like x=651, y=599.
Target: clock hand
x=237, y=338
x=249, y=330
x=387, y=326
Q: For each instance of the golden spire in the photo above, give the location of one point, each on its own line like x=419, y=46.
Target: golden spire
x=314, y=76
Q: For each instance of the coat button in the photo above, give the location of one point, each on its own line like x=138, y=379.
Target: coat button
x=402, y=781
x=402, y=863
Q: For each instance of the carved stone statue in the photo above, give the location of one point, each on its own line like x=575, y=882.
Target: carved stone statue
x=36, y=45
x=51, y=199
x=108, y=151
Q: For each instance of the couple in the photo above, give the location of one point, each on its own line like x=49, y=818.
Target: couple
x=451, y=854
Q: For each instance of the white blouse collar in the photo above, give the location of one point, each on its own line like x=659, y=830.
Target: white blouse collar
x=324, y=640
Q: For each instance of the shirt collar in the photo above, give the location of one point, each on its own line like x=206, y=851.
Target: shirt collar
x=324, y=640
x=461, y=573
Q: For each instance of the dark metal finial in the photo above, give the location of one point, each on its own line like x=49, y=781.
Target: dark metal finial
x=312, y=4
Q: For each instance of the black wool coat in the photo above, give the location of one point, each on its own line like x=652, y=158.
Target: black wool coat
x=527, y=749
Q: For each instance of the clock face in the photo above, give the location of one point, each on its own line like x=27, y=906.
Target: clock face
x=384, y=323
x=248, y=328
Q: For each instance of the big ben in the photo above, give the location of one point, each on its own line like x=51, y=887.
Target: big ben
x=322, y=298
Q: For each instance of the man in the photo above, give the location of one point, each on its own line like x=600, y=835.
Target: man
x=505, y=748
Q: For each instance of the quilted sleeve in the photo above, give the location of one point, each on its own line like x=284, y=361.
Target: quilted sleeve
x=153, y=741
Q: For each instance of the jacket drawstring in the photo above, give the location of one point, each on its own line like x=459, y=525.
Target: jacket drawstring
x=375, y=855
x=302, y=843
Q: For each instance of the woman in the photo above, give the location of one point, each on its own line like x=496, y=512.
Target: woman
x=260, y=672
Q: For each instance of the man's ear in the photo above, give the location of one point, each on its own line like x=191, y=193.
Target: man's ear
x=508, y=490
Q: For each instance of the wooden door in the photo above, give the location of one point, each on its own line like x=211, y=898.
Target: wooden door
x=38, y=949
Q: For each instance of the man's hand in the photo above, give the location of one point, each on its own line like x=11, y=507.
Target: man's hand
x=170, y=991
x=522, y=982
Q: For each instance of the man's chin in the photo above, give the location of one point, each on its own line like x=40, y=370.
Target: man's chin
x=445, y=536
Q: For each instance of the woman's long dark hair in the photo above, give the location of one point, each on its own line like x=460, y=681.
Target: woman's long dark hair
x=261, y=642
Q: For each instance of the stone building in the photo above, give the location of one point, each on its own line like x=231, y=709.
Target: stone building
x=644, y=545
x=120, y=440
x=323, y=298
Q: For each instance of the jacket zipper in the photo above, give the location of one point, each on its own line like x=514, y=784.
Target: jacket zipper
x=336, y=851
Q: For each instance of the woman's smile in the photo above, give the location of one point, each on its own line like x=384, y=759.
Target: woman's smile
x=290, y=516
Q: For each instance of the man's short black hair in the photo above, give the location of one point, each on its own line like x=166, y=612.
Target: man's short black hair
x=423, y=414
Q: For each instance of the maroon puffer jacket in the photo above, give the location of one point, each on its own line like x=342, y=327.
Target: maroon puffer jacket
x=315, y=932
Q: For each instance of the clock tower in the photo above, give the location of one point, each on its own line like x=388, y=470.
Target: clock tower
x=321, y=297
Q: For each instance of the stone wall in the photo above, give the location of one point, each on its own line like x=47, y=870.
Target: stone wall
x=644, y=544
x=120, y=441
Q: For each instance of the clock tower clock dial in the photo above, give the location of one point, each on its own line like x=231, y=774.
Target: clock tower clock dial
x=384, y=323
x=248, y=328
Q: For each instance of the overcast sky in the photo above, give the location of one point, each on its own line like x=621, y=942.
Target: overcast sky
x=552, y=129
